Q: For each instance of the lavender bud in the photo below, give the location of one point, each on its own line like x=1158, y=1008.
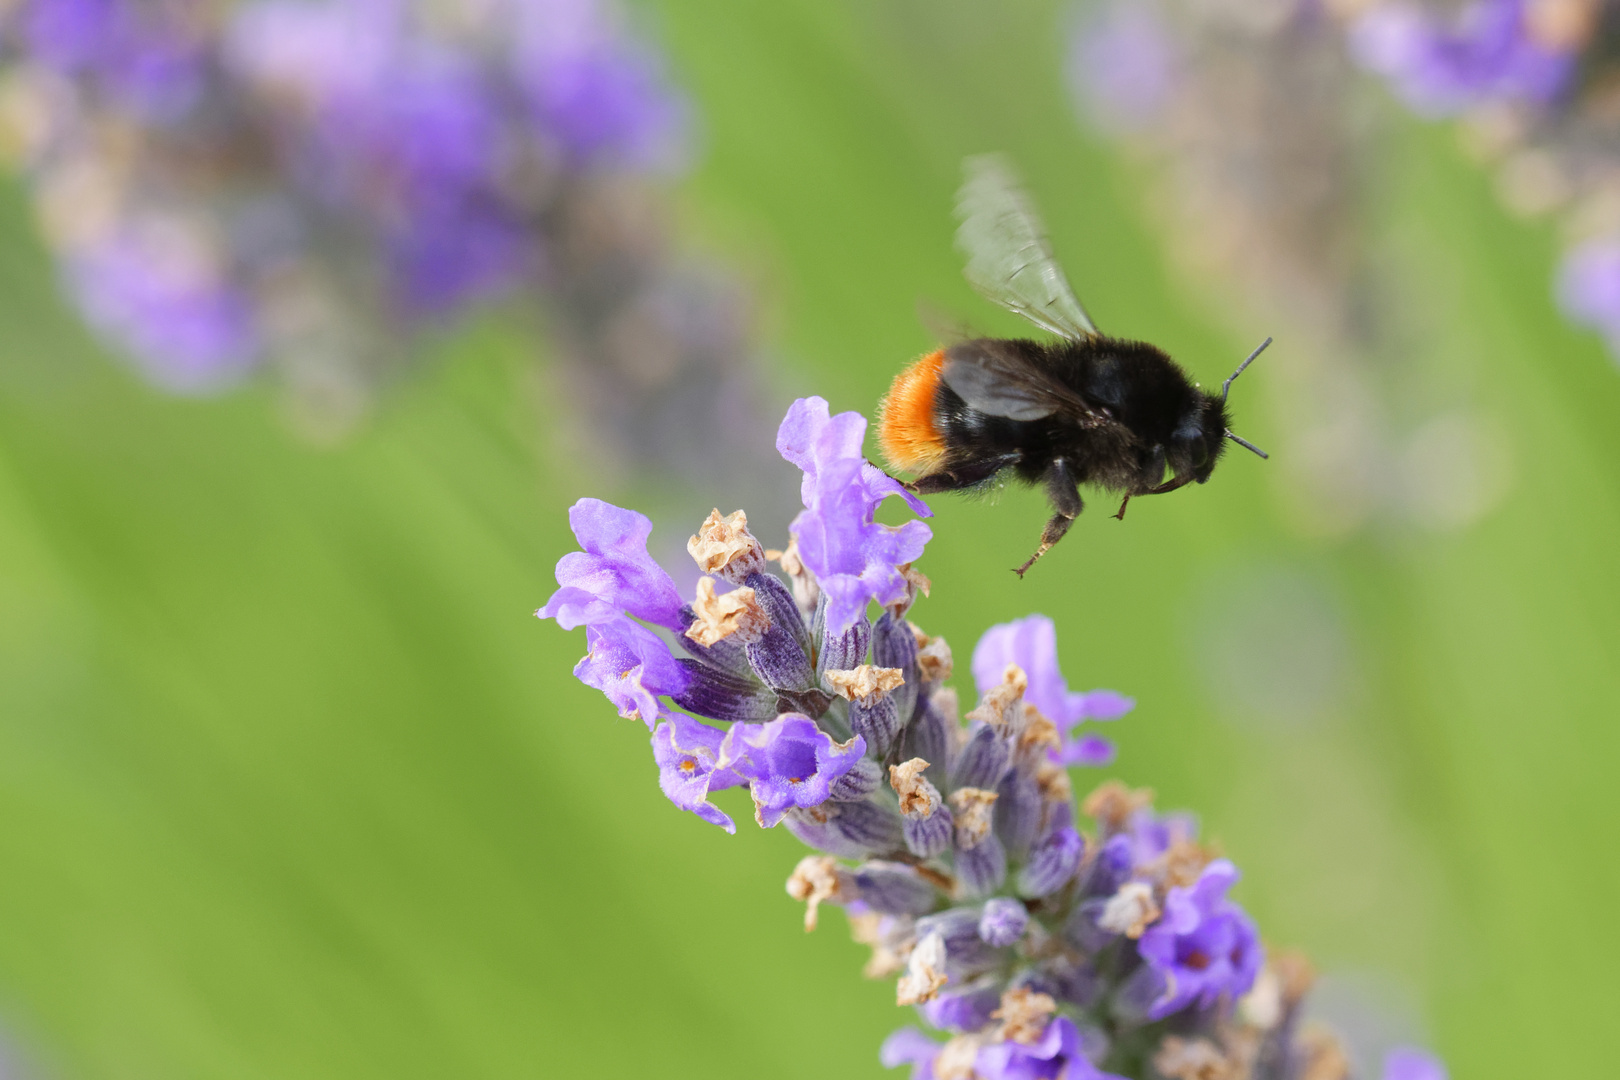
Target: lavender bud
x=983, y=760
x=895, y=889
x=852, y=830
x=894, y=647
x=1114, y=864
x=728, y=654
x=719, y=695
x=1020, y=811
x=925, y=971
x=1052, y=863
x=737, y=615
x=934, y=663
x=1003, y=922
x=966, y=1009
x=966, y=953
x=725, y=548
x=981, y=870
x=1081, y=929
x=926, y=737
x=781, y=657
x=841, y=652
x=931, y=836
x=929, y=827
x=865, y=777
x=1130, y=911
x=876, y=720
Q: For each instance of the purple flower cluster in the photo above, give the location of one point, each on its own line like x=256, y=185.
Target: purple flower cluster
x=1441, y=66
x=225, y=186
x=1039, y=951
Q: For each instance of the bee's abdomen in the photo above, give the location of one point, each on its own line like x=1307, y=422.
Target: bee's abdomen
x=908, y=428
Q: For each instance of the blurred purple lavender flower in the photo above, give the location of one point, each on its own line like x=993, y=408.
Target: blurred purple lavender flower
x=418, y=165
x=1041, y=952
x=1409, y=1063
x=1440, y=67
x=1122, y=65
x=854, y=559
x=1588, y=288
x=188, y=327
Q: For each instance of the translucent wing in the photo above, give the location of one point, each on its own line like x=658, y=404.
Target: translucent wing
x=1009, y=260
x=1001, y=379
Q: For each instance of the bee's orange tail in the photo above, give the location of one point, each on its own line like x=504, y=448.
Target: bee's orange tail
x=907, y=434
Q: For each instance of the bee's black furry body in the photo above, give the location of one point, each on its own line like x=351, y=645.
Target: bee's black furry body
x=1150, y=417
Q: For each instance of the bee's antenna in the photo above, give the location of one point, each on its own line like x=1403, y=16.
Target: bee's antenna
x=1227, y=385
x=1240, y=440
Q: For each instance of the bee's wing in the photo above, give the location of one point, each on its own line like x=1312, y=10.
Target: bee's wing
x=999, y=378
x=1009, y=260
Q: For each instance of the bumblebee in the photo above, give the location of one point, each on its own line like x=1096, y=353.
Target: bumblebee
x=1084, y=409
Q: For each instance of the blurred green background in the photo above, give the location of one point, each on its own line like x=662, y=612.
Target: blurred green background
x=292, y=784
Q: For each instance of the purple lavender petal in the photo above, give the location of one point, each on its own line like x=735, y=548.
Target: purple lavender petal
x=632, y=666
x=1204, y=947
x=1410, y=1063
x=1057, y=1054
x=855, y=559
x=908, y=1046
x=686, y=752
x=1031, y=643
x=614, y=568
x=789, y=763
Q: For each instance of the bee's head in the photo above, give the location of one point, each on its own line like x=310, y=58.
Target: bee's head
x=1199, y=439
x=1201, y=436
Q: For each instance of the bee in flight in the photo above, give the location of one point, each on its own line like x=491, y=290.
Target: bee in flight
x=1085, y=409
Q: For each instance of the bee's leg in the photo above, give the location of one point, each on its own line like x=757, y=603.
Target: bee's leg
x=1123, y=503
x=963, y=476
x=1063, y=488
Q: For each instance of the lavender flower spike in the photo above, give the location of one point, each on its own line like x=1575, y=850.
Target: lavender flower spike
x=854, y=559
x=788, y=763
x=1406, y=1063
